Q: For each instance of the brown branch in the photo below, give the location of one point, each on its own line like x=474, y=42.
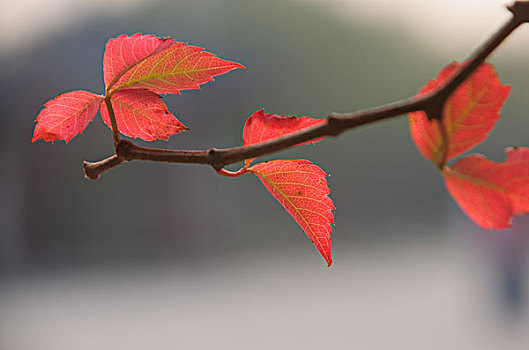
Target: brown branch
x=218, y=158
x=93, y=170
x=336, y=123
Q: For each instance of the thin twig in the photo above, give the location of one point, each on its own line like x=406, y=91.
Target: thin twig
x=115, y=130
x=228, y=173
x=93, y=170
x=336, y=123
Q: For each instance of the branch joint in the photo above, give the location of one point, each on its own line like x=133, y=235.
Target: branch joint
x=520, y=10
x=123, y=149
x=335, y=124
x=434, y=105
x=214, y=156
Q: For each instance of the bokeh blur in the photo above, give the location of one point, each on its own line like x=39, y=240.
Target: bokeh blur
x=158, y=256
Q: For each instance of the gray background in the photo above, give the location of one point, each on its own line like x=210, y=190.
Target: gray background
x=157, y=255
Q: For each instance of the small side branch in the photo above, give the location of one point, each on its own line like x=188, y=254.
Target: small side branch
x=336, y=123
x=115, y=130
x=228, y=173
x=93, y=170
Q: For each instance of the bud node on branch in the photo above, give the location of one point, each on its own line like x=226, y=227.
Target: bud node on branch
x=520, y=10
x=335, y=125
x=214, y=156
x=123, y=149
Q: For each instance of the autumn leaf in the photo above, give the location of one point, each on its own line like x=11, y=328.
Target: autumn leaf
x=175, y=68
x=302, y=190
x=66, y=116
x=142, y=113
x=491, y=193
x=135, y=69
x=124, y=52
x=298, y=185
x=260, y=127
x=469, y=114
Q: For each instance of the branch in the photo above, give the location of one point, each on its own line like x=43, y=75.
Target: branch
x=93, y=170
x=336, y=123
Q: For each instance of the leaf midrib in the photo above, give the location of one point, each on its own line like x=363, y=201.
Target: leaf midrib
x=163, y=75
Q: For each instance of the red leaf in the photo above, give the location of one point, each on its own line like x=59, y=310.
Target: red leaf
x=469, y=114
x=261, y=127
x=66, y=116
x=302, y=190
x=143, y=114
x=491, y=193
x=124, y=52
x=178, y=67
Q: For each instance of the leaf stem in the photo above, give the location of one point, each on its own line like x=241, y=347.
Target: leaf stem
x=115, y=130
x=228, y=173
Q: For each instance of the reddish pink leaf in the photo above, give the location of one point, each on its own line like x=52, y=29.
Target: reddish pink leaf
x=262, y=127
x=66, y=116
x=491, y=193
x=302, y=190
x=517, y=153
x=143, y=114
x=469, y=115
x=178, y=67
x=124, y=52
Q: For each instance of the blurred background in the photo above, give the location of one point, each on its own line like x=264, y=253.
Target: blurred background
x=165, y=256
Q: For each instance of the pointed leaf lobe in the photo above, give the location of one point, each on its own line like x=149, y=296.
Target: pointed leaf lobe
x=177, y=67
x=261, y=127
x=66, y=116
x=302, y=190
x=491, y=193
x=142, y=113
